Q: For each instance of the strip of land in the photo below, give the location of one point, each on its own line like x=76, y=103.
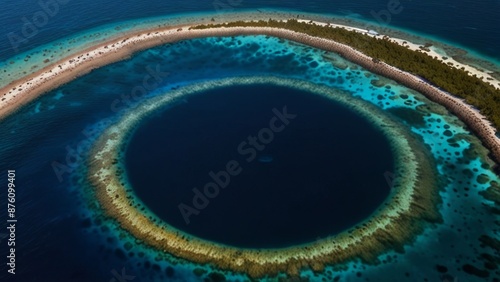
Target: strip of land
x=21, y=92
x=429, y=50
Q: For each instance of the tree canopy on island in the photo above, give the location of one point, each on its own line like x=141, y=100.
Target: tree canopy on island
x=482, y=95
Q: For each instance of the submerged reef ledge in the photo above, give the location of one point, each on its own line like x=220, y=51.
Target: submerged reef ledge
x=22, y=91
x=410, y=207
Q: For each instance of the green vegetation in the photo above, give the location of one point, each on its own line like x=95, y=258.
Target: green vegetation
x=476, y=92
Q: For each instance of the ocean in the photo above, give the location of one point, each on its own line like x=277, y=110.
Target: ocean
x=61, y=233
x=464, y=23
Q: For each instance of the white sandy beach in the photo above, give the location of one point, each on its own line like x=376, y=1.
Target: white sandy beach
x=433, y=52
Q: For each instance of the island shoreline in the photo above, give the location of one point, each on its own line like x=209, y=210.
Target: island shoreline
x=23, y=91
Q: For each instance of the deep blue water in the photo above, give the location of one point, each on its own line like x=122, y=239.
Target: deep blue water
x=467, y=23
x=59, y=239
x=322, y=179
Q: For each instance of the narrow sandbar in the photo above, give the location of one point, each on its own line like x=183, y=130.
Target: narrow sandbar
x=21, y=92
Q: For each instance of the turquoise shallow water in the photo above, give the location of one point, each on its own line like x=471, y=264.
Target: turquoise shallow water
x=29, y=53
x=57, y=130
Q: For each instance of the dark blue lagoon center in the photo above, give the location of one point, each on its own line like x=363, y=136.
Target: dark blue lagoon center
x=272, y=166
